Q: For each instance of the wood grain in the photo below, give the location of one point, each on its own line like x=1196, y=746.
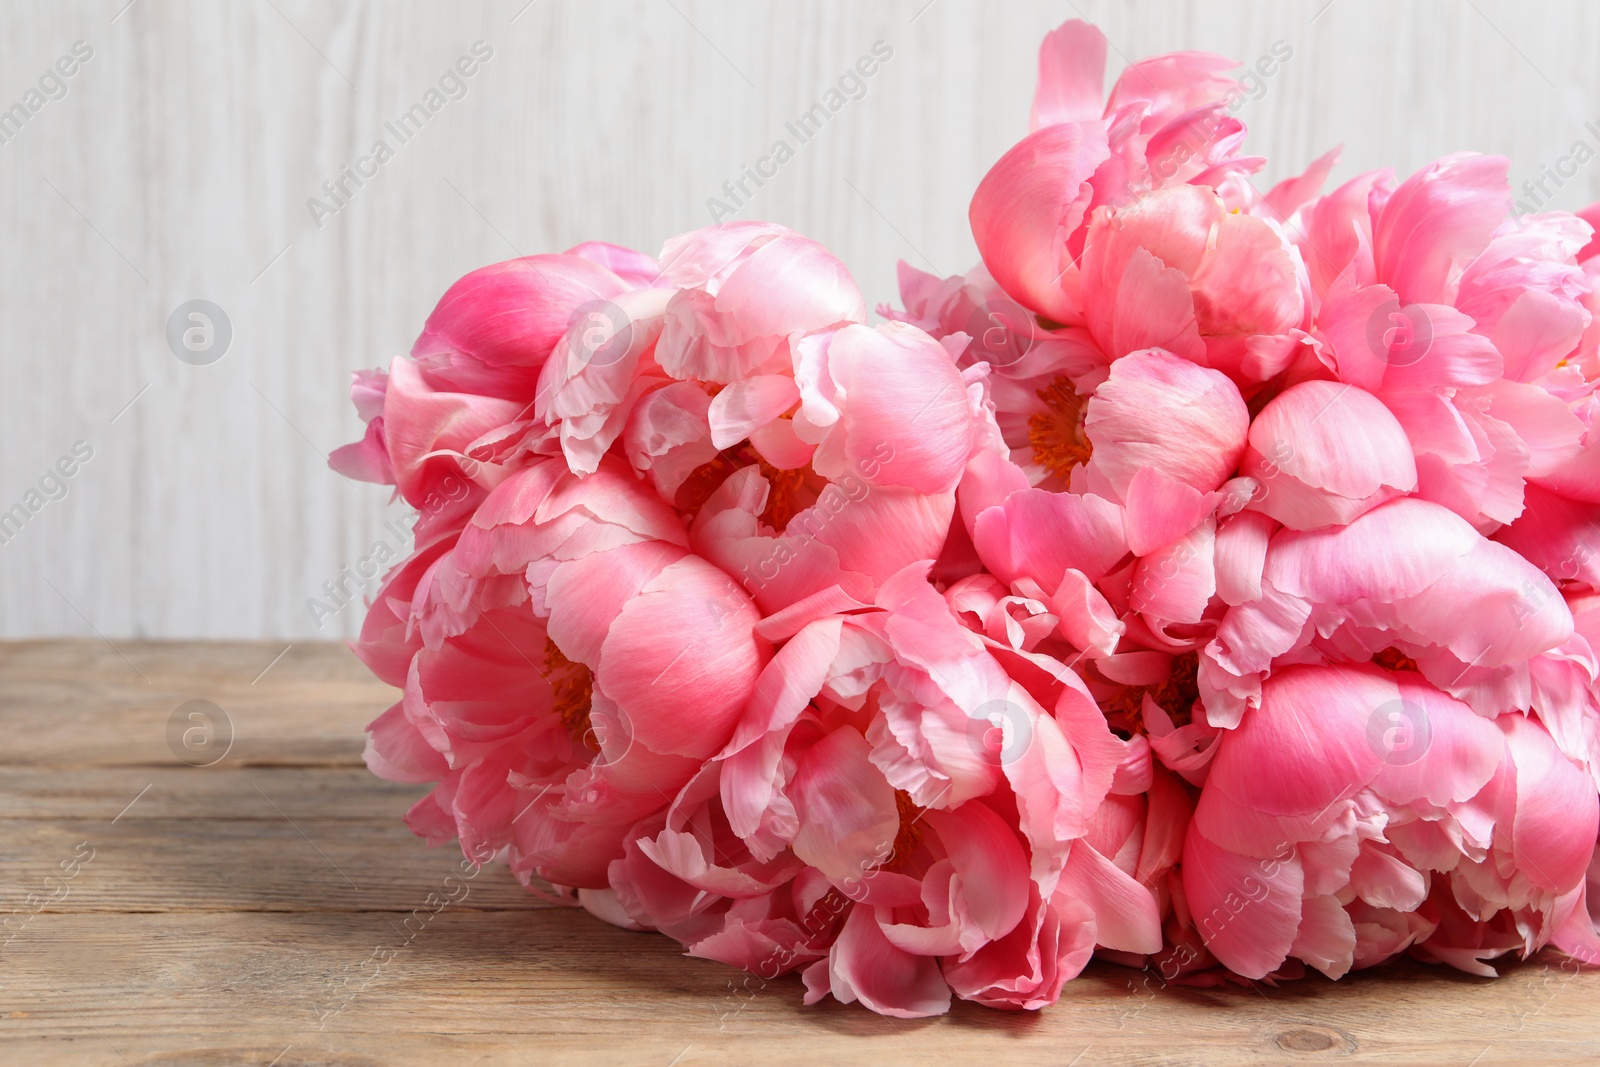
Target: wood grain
x=276, y=910
x=180, y=162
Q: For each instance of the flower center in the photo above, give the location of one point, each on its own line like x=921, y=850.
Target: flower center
x=1057, y=434
x=908, y=836
x=572, y=687
x=1392, y=659
x=1174, y=694
x=788, y=492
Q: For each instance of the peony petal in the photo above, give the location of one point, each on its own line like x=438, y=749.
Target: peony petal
x=1161, y=510
x=1126, y=916
x=1439, y=218
x=1189, y=423
x=1072, y=70
x=746, y=405
x=848, y=819
x=864, y=966
x=1241, y=555
x=1026, y=207
x=1326, y=938
x=1247, y=911
x=1325, y=453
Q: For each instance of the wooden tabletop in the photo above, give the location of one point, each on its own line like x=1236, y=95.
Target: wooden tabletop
x=252, y=910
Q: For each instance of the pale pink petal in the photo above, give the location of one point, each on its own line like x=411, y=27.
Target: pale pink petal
x=1160, y=510
x=1144, y=305
x=1126, y=916
x=1241, y=554
x=367, y=460
x=1326, y=938
x=1285, y=198
x=1177, y=581
x=1385, y=881
x=668, y=435
x=910, y=424
x=780, y=446
x=635, y=268
x=989, y=861
x=1155, y=410
x=791, y=284
x=1325, y=453
x=846, y=809
x=1437, y=220
x=1173, y=83
x=427, y=430
x=1338, y=233
x=1087, y=620
x=397, y=751
x=787, y=683
x=1557, y=534
x=1557, y=813
x=1072, y=70
x=748, y=404
x=1041, y=534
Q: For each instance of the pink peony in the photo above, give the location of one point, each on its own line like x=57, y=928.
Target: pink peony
x=1461, y=320
x=1164, y=123
x=1355, y=803
x=1208, y=581
x=549, y=677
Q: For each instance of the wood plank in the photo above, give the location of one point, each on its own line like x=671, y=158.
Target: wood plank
x=307, y=708
x=560, y=987
x=202, y=863
x=221, y=792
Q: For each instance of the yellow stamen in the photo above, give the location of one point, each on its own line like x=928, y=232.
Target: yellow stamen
x=1057, y=434
x=572, y=686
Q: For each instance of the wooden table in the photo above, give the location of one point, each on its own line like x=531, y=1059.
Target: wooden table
x=251, y=911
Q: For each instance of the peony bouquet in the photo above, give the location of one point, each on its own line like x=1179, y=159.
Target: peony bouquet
x=1209, y=581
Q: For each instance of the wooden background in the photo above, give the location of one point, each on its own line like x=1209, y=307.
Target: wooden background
x=262, y=910
x=179, y=164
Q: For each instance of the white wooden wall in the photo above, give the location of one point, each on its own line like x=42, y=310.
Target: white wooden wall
x=179, y=162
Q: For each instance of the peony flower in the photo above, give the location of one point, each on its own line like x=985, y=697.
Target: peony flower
x=1161, y=436
x=888, y=420
x=891, y=753
x=1034, y=373
x=1165, y=122
x=493, y=330
x=1471, y=614
x=581, y=594
x=1343, y=815
x=1457, y=317
x=1177, y=270
x=1556, y=530
x=742, y=289
x=709, y=317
